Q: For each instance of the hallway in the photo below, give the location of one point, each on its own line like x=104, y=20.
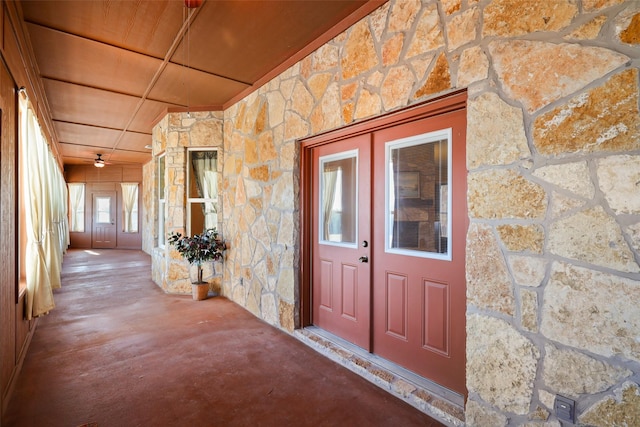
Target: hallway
x=117, y=351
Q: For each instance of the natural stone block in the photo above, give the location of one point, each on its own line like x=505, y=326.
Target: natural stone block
x=462, y=28
x=592, y=236
x=402, y=15
x=295, y=126
x=619, y=179
x=571, y=373
x=595, y=5
x=451, y=6
x=588, y=31
x=494, y=346
x=569, y=176
x=396, y=87
x=439, y=79
x=325, y=58
x=318, y=84
x=428, y=34
x=276, y=106
x=488, y=283
x=302, y=101
x=633, y=231
x=621, y=410
x=605, y=118
x=538, y=73
x=359, y=53
x=517, y=17
x=518, y=238
x=269, y=312
x=391, y=49
x=378, y=20
x=369, y=104
x=592, y=310
x=495, y=131
x=474, y=67
x=327, y=115
x=526, y=270
x=628, y=25
x=561, y=204
x=529, y=310
x=477, y=415
x=504, y=193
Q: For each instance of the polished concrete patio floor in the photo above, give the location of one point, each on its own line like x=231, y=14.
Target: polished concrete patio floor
x=117, y=351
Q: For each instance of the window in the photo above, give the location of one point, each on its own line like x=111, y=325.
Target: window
x=76, y=207
x=418, y=201
x=338, y=204
x=129, y=207
x=161, y=200
x=202, y=195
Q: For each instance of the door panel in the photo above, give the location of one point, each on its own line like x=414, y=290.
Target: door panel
x=419, y=258
x=104, y=214
x=406, y=221
x=341, y=222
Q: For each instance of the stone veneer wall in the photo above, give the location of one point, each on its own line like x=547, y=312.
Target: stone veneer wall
x=553, y=152
x=172, y=136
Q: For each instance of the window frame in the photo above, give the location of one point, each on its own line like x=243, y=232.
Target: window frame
x=190, y=201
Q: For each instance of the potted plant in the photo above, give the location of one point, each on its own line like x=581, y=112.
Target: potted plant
x=199, y=248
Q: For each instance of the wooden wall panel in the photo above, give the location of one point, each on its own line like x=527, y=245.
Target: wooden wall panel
x=106, y=179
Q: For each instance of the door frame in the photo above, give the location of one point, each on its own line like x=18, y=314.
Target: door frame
x=451, y=102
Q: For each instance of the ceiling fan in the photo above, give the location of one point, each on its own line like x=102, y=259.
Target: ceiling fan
x=99, y=161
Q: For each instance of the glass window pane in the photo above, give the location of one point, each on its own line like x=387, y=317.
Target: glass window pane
x=417, y=195
x=103, y=210
x=338, y=204
x=203, y=179
x=202, y=216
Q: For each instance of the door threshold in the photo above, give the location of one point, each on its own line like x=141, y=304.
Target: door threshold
x=434, y=400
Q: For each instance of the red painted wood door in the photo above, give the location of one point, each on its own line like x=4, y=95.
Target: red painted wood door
x=341, y=233
x=420, y=217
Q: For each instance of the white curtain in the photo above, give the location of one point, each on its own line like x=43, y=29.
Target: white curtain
x=130, y=202
x=39, y=290
x=329, y=180
x=76, y=199
x=45, y=215
x=205, y=173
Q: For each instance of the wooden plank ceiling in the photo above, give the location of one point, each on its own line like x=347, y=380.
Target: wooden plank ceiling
x=111, y=68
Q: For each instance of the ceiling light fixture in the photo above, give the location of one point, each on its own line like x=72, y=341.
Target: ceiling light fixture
x=98, y=162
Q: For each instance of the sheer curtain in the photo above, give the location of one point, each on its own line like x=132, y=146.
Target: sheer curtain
x=76, y=199
x=205, y=172
x=329, y=179
x=39, y=290
x=45, y=213
x=129, y=202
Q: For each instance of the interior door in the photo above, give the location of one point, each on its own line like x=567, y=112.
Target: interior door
x=341, y=233
x=420, y=213
x=103, y=235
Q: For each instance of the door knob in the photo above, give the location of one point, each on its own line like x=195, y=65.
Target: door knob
x=363, y=259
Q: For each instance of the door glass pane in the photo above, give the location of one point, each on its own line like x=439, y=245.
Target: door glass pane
x=338, y=198
x=418, y=203
x=103, y=210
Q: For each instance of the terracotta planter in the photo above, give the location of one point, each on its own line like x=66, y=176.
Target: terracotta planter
x=199, y=291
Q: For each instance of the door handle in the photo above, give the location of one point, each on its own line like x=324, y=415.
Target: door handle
x=363, y=258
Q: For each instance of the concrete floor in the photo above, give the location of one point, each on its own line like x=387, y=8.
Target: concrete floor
x=117, y=351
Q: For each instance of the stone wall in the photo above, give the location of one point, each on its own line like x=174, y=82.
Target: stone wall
x=553, y=152
x=172, y=136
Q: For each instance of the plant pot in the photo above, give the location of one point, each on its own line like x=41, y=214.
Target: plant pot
x=199, y=291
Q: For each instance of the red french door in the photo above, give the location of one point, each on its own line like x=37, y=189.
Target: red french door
x=341, y=271
x=419, y=297
x=388, y=222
